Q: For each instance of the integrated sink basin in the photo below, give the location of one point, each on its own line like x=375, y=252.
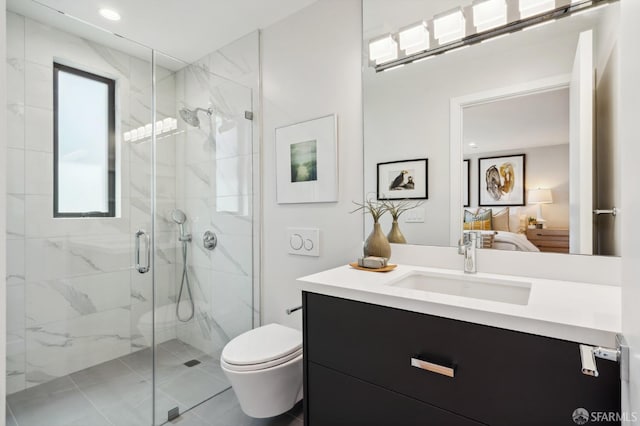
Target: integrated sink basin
x=470, y=286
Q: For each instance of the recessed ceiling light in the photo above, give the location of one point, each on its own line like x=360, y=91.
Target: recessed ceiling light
x=473, y=145
x=110, y=14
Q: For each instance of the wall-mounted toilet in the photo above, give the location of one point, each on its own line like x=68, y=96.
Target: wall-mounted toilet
x=264, y=367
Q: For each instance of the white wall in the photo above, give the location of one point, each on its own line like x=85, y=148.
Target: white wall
x=545, y=167
x=3, y=210
x=311, y=68
x=629, y=110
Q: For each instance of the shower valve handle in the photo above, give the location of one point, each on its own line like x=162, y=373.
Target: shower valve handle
x=209, y=240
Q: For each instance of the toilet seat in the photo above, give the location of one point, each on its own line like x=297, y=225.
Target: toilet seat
x=264, y=347
x=261, y=366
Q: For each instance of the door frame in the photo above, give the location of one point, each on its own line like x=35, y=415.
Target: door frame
x=456, y=135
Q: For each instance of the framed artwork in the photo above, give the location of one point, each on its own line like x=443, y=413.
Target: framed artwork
x=403, y=180
x=501, y=180
x=466, y=183
x=307, y=161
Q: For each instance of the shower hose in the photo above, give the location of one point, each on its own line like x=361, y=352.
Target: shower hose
x=185, y=280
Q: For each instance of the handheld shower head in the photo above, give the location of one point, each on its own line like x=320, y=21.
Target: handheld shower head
x=180, y=218
x=190, y=116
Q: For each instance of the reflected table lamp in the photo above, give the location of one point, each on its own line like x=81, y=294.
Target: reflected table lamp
x=539, y=197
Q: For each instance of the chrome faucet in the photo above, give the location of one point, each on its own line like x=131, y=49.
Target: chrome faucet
x=467, y=247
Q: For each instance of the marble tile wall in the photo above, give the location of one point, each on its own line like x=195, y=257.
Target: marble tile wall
x=216, y=176
x=74, y=299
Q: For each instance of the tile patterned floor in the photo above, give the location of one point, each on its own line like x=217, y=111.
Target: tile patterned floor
x=118, y=393
x=224, y=410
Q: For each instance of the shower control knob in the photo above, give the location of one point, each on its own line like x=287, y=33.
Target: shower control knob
x=209, y=240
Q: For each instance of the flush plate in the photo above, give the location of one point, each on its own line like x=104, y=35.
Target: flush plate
x=303, y=241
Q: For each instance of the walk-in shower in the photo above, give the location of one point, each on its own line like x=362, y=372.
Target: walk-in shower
x=180, y=218
x=92, y=340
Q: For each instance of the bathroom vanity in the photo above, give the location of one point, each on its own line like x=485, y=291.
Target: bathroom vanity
x=427, y=346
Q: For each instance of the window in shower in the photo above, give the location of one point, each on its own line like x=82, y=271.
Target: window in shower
x=84, y=143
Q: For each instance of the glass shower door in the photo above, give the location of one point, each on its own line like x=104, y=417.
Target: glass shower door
x=204, y=230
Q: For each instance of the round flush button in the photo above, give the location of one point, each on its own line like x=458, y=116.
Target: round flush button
x=296, y=242
x=308, y=244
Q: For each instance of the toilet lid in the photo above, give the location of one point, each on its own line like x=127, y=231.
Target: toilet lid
x=262, y=344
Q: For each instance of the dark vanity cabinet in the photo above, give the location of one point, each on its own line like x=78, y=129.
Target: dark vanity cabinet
x=371, y=365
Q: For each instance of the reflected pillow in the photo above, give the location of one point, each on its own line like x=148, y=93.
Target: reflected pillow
x=500, y=220
x=480, y=220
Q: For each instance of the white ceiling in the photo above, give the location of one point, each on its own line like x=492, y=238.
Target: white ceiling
x=540, y=119
x=185, y=29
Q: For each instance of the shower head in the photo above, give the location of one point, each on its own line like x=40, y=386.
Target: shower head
x=190, y=116
x=180, y=218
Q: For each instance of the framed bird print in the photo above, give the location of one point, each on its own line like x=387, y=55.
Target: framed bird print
x=408, y=179
x=501, y=181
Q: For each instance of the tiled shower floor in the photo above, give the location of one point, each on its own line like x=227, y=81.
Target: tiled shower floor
x=118, y=393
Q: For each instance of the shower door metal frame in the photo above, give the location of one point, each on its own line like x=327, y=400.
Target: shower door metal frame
x=153, y=198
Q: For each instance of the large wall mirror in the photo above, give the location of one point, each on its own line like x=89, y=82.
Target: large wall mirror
x=519, y=129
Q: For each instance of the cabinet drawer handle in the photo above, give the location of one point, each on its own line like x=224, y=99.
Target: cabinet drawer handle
x=434, y=368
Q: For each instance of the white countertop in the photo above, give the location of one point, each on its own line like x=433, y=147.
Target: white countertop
x=584, y=313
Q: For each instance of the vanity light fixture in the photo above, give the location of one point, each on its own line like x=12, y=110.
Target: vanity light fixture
x=489, y=14
x=591, y=9
x=395, y=68
x=456, y=49
x=449, y=26
x=109, y=14
x=486, y=40
x=491, y=20
x=423, y=59
x=414, y=38
x=542, y=24
x=383, y=49
x=535, y=7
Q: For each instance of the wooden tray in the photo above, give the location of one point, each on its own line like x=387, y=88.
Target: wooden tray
x=387, y=268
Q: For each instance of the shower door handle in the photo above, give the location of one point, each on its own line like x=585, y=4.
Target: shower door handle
x=147, y=243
